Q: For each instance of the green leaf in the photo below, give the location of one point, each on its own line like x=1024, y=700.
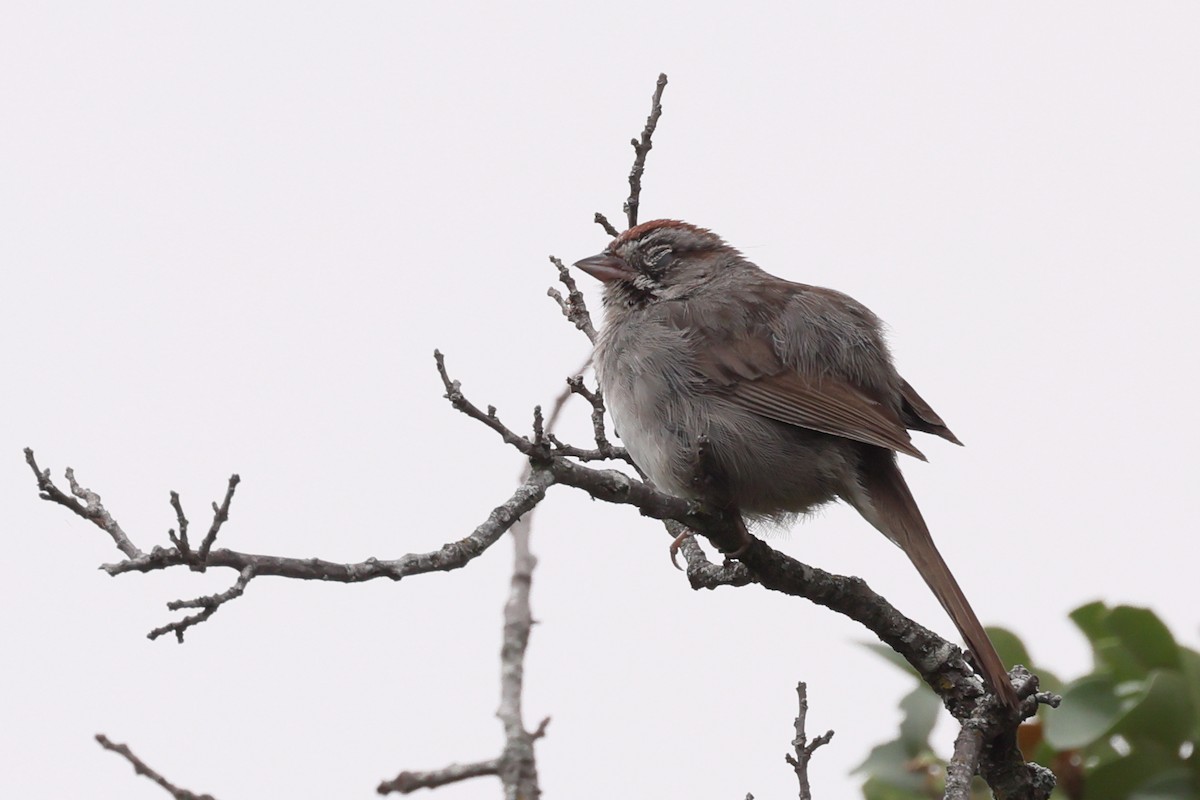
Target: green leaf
x=1089, y=710
x=1114, y=657
x=892, y=656
x=1117, y=779
x=1108, y=651
x=1010, y=648
x=1127, y=641
x=1091, y=620
x=875, y=789
x=1162, y=710
x=1145, y=636
x=891, y=764
x=920, y=707
x=1190, y=660
x=1175, y=784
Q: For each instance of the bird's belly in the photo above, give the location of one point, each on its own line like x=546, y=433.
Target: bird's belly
x=762, y=467
x=655, y=447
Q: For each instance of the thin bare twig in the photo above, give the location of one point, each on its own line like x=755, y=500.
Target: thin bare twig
x=603, y=222
x=220, y=515
x=596, y=400
x=450, y=556
x=573, y=307
x=180, y=541
x=640, y=149
x=141, y=768
x=408, y=782
x=208, y=605
x=93, y=511
x=804, y=749
x=516, y=766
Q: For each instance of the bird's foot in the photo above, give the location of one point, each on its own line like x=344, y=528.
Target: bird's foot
x=734, y=555
x=677, y=543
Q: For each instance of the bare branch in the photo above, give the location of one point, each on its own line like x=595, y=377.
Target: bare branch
x=408, y=782
x=640, y=149
x=220, y=515
x=573, y=307
x=702, y=573
x=518, y=769
x=180, y=541
x=450, y=556
x=208, y=603
x=457, y=399
x=596, y=399
x=603, y=222
x=93, y=511
x=516, y=765
x=939, y=662
x=804, y=749
x=140, y=768
x=965, y=761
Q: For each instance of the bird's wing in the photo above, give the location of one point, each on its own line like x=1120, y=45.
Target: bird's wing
x=742, y=358
x=825, y=404
x=920, y=416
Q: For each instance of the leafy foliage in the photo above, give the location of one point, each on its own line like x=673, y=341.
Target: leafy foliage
x=1128, y=730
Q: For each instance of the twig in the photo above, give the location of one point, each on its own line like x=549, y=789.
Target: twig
x=141, y=768
x=408, y=782
x=804, y=749
x=965, y=761
x=596, y=400
x=180, y=541
x=220, y=515
x=516, y=765
x=518, y=769
x=208, y=603
x=940, y=663
x=450, y=556
x=640, y=149
x=573, y=307
x=603, y=222
x=702, y=573
x=93, y=511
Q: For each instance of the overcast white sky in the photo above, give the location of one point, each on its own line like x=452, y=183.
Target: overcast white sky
x=233, y=233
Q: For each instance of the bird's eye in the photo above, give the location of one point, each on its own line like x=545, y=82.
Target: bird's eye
x=658, y=257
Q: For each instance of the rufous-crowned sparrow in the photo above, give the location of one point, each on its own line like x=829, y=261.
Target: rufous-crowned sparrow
x=791, y=386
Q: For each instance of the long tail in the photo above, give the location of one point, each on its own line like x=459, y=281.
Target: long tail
x=897, y=516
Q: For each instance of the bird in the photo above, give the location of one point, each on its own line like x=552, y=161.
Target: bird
x=783, y=395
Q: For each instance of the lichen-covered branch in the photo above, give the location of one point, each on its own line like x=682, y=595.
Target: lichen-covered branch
x=965, y=761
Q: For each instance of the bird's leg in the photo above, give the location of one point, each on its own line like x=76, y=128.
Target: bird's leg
x=743, y=534
x=706, y=485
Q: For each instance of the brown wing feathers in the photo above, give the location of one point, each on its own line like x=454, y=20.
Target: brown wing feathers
x=752, y=372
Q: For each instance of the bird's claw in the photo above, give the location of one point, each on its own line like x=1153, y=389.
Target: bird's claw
x=677, y=543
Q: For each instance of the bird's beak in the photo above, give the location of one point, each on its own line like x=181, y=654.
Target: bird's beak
x=606, y=267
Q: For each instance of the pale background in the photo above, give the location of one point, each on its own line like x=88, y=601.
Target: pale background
x=233, y=233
